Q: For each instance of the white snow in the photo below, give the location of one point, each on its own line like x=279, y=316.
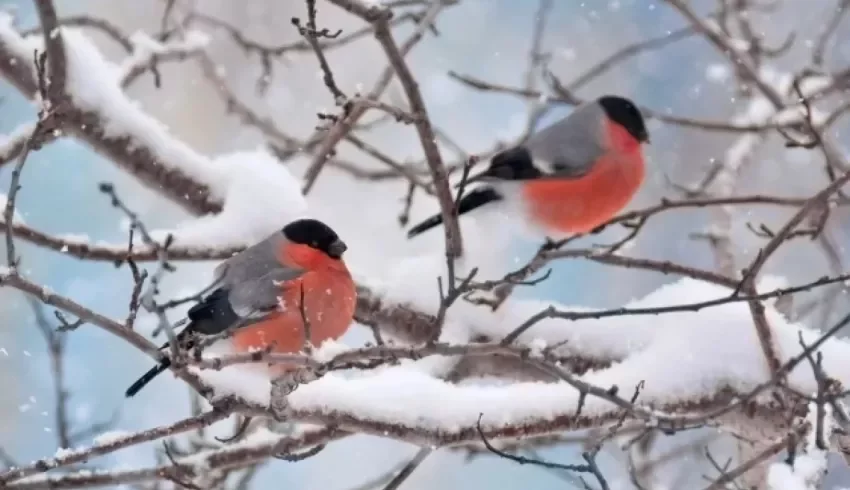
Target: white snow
x=146, y=49
x=780, y=476
x=17, y=135
x=717, y=72
x=17, y=219
x=758, y=111
x=808, y=468
x=110, y=437
x=537, y=346
x=328, y=350
x=695, y=345
x=250, y=384
x=260, y=436
x=94, y=85
x=261, y=197
x=10, y=36
x=64, y=453
x=806, y=473
x=259, y=194
x=734, y=43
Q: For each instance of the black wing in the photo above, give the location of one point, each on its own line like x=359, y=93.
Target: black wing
x=210, y=316
x=471, y=200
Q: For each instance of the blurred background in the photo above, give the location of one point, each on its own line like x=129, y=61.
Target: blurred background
x=486, y=39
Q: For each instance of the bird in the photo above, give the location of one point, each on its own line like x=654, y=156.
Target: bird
x=569, y=177
x=259, y=294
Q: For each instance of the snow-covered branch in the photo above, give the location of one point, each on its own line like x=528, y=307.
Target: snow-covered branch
x=259, y=446
x=97, y=112
x=148, y=53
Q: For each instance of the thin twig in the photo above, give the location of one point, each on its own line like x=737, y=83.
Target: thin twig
x=55, y=48
x=408, y=469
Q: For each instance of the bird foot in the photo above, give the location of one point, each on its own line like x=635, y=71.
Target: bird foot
x=284, y=385
x=281, y=388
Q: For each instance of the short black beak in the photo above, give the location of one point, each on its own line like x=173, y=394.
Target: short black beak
x=337, y=248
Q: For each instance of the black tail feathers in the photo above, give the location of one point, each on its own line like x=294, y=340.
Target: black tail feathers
x=425, y=225
x=211, y=316
x=184, y=340
x=147, y=377
x=471, y=200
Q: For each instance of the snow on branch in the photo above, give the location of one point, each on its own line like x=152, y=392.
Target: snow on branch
x=146, y=149
x=694, y=344
x=12, y=144
x=148, y=53
x=259, y=446
x=716, y=381
x=98, y=113
x=94, y=90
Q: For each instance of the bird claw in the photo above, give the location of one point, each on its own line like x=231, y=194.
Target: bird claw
x=284, y=385
x=304, y=376
x=281, y=388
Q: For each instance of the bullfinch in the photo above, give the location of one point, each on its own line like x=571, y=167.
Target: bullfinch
x=260, y=291
x=571, y=176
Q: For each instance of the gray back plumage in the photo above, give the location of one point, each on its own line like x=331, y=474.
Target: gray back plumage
x=569, y=146
x=252, y=277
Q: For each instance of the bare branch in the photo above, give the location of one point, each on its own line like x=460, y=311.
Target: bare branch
x=231, y=457
x=454, y=245
x=55, y=48
x=345, y=124
x=312, y=34
x=148, y=54
x=408, y=469
x=832, y=22
x=716, y=126
x=767, y=453
x=81, y=456
x=14, y=280
x=102, y=25
x=124, y=150
x=56, y=351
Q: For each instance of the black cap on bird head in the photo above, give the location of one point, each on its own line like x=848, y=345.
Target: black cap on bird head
x=315, y=234
x=625, y=113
